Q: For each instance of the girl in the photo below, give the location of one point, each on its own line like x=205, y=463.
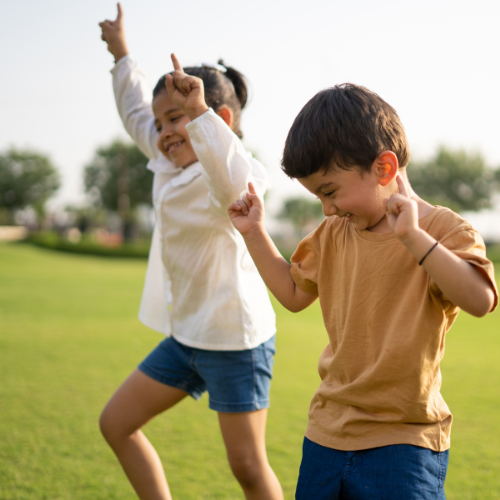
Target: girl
x=202, y=289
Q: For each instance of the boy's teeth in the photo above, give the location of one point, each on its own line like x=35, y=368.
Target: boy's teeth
x=347, y=216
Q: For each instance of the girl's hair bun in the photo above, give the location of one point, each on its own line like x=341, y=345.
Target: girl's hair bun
x=238, y=81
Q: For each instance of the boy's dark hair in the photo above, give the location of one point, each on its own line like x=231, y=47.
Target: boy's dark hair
x=227, y=88
x=345, y=126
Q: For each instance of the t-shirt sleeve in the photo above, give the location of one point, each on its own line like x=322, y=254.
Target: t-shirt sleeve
x=465, y=242
x=305, y=263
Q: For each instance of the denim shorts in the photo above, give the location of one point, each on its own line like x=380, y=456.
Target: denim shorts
x=236, y=381
x=396, y=472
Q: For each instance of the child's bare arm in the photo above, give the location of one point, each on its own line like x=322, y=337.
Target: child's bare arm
x=113, y=33
x=247, y=216
x=460, y=282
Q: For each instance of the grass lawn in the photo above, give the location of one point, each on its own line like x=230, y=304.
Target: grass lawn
x=69, y=335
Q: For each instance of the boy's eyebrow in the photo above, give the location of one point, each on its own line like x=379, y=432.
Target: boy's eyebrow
x=325, y=185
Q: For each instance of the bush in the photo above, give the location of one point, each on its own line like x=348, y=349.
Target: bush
x=53, y=241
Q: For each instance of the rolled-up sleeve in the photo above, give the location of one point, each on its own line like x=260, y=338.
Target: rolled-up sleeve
x=305, y=264
x=465, y=242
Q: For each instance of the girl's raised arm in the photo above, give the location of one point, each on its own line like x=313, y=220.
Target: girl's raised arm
x=130, y=85
x=227, y=166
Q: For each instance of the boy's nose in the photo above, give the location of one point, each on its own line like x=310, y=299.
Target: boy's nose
x=329, y=209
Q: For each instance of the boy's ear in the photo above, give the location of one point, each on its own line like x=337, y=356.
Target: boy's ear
x=227, y=115
x=386, y=166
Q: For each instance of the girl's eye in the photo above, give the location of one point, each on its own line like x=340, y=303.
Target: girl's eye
x=174, y=118
x=330, y=194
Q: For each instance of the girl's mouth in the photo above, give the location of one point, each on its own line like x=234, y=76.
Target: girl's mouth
x=174, y=147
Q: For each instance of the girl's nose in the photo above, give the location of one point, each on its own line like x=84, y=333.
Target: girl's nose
x=165, y=133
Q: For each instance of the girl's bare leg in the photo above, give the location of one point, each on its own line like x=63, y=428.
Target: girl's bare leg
x=138, y=400
x=245, y=439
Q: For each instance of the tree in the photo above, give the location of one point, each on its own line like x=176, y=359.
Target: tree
x=455, y=179
x=27, y=179
x=117, y=179
x=301, y=213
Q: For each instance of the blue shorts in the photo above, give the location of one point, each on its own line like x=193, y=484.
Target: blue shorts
x=236, y=381
x=395, y=472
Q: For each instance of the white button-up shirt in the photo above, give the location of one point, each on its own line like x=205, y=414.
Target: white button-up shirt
x=201, y=283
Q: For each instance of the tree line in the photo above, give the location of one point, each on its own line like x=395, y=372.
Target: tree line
x=117, y=180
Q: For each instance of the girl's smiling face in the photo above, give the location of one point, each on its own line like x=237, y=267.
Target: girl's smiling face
x=173, y=138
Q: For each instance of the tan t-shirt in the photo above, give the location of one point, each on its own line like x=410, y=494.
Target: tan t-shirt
x=386, y=320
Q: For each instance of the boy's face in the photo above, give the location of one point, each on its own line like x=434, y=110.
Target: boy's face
x=354, y=194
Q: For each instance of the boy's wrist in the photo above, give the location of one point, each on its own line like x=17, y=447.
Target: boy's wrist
x=254, y=234
x=418, y=242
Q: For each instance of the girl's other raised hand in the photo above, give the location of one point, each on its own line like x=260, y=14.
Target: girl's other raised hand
x=113, y=33
x=186, y=91
x=247, y=214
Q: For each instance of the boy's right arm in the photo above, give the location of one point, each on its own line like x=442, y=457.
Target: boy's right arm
x=247, y=216
x=132, y=93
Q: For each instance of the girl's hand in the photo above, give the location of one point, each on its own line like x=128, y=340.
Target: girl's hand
x=186, y=91
x=247, y=214
x=401, y=212
x=113, y=33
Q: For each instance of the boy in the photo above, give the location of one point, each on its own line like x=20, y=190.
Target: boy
x=391, y=273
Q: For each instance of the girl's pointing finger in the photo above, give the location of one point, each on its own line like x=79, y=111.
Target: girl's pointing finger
x=176, y=63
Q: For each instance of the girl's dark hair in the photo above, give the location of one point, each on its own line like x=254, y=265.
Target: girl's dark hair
x=345, y=126
x=221, y=89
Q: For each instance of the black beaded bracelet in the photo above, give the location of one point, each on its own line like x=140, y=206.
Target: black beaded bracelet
x=430, y=250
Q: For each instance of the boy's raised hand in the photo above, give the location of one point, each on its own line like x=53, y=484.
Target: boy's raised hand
x=247, y=214
x=186, y=91
x=113, y=33
x=401, y=211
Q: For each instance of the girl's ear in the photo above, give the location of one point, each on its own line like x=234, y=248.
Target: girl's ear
x=227, y=115
x=386, y=165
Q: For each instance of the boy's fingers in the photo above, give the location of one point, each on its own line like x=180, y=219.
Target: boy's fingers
x=120, y=12
x=245, y=207
x=176, y=63
x=234, y=206
x=401, y=186
x=251, y=188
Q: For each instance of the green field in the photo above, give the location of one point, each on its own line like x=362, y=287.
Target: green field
x=69, y=335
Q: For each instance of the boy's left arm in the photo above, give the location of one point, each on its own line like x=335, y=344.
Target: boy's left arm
x=462, y=283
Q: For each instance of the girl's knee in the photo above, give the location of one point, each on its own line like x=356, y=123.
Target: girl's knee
x=112, y=427
x=247, y=469
x=106, y=423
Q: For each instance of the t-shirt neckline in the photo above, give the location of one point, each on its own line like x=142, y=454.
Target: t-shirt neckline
x=383, y=237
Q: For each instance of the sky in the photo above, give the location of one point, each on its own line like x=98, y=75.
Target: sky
x=436, y=62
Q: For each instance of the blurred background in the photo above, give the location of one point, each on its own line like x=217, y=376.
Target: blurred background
x=69, y=168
